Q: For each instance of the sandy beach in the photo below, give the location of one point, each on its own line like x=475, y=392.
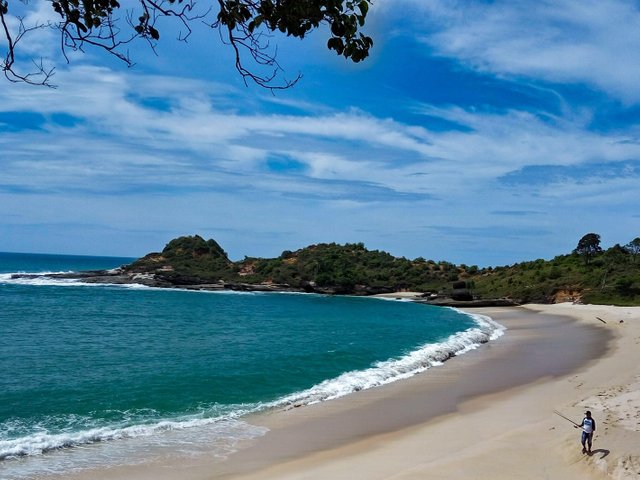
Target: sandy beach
x=488, y=414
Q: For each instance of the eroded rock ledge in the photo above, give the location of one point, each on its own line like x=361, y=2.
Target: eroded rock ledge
x=123, y=276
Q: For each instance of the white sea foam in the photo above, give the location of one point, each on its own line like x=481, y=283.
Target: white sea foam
x=226, y=292
x=416, y=361
x=394, y=299
x=40, y=279
x=46, y=279
x=139, y=444
x=43, y=442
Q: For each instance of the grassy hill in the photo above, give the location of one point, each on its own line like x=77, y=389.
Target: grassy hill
x=187, y=260
x=590, y=275
x=609, y=277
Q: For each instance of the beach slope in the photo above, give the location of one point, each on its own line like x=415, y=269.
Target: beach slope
x=513, y=431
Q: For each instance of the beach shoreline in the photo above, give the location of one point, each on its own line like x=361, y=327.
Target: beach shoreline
x=486, y=414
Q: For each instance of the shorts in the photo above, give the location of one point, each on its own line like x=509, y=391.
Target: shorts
x=587, y=437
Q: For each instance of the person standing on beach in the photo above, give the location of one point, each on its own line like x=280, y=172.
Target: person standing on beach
x=588, y=426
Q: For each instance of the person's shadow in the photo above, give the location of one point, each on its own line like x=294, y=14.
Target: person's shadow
x=603, y=451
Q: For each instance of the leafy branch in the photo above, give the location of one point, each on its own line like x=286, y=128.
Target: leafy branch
x=247, y=26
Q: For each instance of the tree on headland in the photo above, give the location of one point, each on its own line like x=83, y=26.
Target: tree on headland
x=633, y=247
x=245, y=25
x=588, y=246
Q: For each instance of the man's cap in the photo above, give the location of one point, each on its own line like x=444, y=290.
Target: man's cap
x=588, y=412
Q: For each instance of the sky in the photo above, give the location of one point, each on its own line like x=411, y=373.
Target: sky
x=477, y=132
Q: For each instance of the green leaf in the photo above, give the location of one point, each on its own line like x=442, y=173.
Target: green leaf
x=364, y=7
x=336, y=44
x=338, y=29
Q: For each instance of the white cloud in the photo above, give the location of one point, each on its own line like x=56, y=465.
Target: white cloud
x=122, y=140
x=149, y=150
x=592, y=42
x=40, y=42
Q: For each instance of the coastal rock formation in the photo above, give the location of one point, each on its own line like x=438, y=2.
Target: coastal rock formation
x=194, y=263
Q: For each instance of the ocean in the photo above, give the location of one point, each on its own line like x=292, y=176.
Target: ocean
x=103, y=375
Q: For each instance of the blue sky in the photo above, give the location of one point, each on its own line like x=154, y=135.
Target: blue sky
x=477, y=132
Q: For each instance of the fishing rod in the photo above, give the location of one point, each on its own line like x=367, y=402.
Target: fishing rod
x=567, y=419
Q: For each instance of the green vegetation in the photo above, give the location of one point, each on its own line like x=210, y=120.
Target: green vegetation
x=589, y=274
x=187, y=260
x=607, y=277
x=344, y=267
x=588, y=246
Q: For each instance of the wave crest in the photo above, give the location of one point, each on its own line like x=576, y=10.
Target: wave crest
x=388, y=371
x=39, y=443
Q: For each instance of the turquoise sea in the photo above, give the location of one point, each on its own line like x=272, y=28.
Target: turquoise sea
x=99, y=375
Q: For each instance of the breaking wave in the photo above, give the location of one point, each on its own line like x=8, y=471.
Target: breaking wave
x=388, y=371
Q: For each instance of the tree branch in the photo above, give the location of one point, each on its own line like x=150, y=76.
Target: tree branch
x=41, y=75
x=245, y=25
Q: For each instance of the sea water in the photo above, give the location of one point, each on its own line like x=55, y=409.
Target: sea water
x=101, y=375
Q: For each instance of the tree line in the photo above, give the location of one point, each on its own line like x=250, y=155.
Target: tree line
x=589, y=273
